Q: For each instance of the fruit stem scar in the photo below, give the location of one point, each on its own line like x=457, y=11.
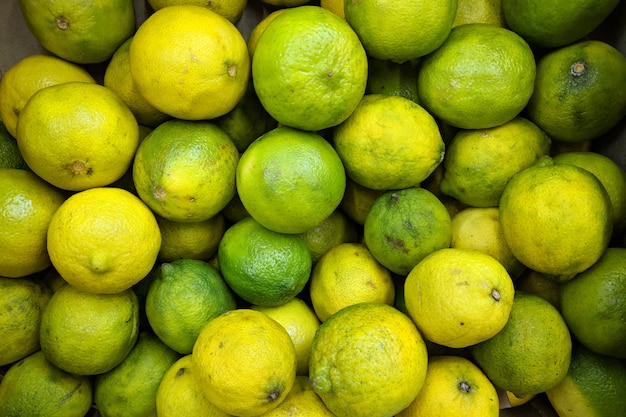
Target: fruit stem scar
x=273, y=396
x=232, y=70
x=62, y=23
x=495, y=294
x=578, y=68
x=464, y=387
x=159, y=192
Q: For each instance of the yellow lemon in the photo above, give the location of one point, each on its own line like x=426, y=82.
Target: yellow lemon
x=478, y=66
x=77, y=135
x=402, y=227
x=335, y=229
x=300, y=321
x=389, y=143
x=479, y=11
x=454, y=387
x=290, y=180
x=556, y=219
x=22, y=302
x=183, y=296
x=335, y=6
x=459, y=297
x=531, y=354
x=34, y=384
x=367, y=359
x=259, y=28
x=348, y=274
x=85, y=33
x=400, y=31
x=27, y=204
x=179, y=394
x=244, y=362
x=309, y=68
x=190, y=240
x=89, y=334
x=103, y=240
x=515, y=401
x=230, y=9
x=301, y=401
x=185, y=170
x=30, y=75
x=130, y=388
x=191, y=53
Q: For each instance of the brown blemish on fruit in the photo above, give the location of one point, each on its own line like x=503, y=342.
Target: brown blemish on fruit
x=495, y=294
x=273, y=396
x=62, y=23
x=396, y=243
x=578, y=68
x=464, y=387
x=159, y=192
x=180, y=372
x=232, y=70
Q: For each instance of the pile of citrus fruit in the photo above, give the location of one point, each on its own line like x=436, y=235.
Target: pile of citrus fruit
x=351, y=208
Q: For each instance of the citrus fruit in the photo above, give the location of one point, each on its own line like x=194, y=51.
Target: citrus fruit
x=458, y=297
x=34, y=386
x=190, y=240
x=244, y=362
x=335, y=6
x=400, y=31
x=263, y=267
x=301, y=323
x=393, y=78
x=22, y=302
x=191, y=53
x=540, y=284
x=388, y=143
x=85, y=33
x=480, y=162
x=234, y=210
x=77, y=135
x=479, y=11
x=456, y=387
x=348, y=274
x=309, y=68
x=290, y=180
x=259, y=28
x=357, y=201
x=515, y=401
x=479, y=229
x=185, y=295
x=88, y=334
x=593, y=304
x=478, y=66
x=185, y=170
x=285, y=3
x=554, y=24
x=531, y=354
x=230, y=9
x=103, y=240
x=301, y=400
x=27, y=204
x=10, y=155
x=404, y=226
x=595, y=385
x=118, y=79
x=579, y=92
x=335, y=229
x=557, y=219
x=29, y=75
x=367, y=359
x=130, y=388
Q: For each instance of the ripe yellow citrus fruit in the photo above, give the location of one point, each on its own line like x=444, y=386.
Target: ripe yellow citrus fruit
x=367, y=359
x=185, y=295
x=579, y=92
x=335, y=6
x=290, y=180
x=301, y=323
x=259, y=28
x=263, y=267
x=480, y=162
x=557, y=219
x=190, y=240
x=348, y=274
x=27, y=204
x=185, y=170
x=77, y=135
x=400, y=31
x=230, y=9
x=130, y=388
x=531, y=354
x=402, y=227
x=478, y=66
x=301, y=400
x=458, y=297
x=22, y=302
x=479, y=11
x=550, y=25
x=103, y=240
x=454, y=387
x=595, y=385
x=393, y=78
x=388, y=143
x=244, y=362
x=85, y=33
x=191, y=53
x=593, y=304
x=118, y=79
x=30, y=75
x=89, y=334
x=34, y=384
x=309, y=68
x=335, y=229
x=179, y=394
